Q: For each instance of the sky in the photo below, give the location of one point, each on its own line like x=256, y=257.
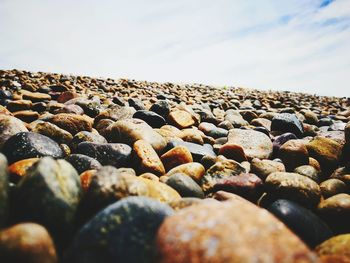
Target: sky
x=295, y=45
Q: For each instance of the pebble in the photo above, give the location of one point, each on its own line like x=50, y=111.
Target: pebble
x=27, y=242
x=308, y=171
x=147, y=158
x=82, y=162
x=336, y=246
x=326, y=151
x=85, y=136
x=212, y=131
x=184, y=185
x=175, y=157
x=115, y=154
x=247, y=185
x=193, y=170
x=335, y=210
x=197, y=151
x=263, y=168
x=52, y=131
x=125, y=231
x=9, y=126
x=332, y=187
x=26, y=145
x=255, y=144
x=233, y=151
x=294, y=187
x=72, y=123
x=131, y=130
x=49, y=194
x=205, y=233
x=286, y=122
x=280, y=140
x=221, y=169
x=18, y=169
x=293, y=153
x=181, y=119
x=161, y=107
x=151, y=118
x=308, y=226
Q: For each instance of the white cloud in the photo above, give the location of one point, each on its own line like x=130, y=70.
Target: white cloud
x=289, y=45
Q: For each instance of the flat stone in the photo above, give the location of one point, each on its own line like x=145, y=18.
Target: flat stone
x=52, y=131
x=175, y=157
x=181, y=119
x=255, y=144
x=151, y=118
x=147, y=158
x=72, y=123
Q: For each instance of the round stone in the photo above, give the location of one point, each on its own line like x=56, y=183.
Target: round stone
x=287, y=122
x=27, y=242
x=332, y=187
x=263, y=168
x=26, y=145
x=161, y=107
x=293, y=187
x=52, y=131
x=124, y=231
x=255, y=144
x=308, y=171
x=85, y=136
x=115, y=154
x=193, y=170
x=151, y=118
x=49, y=194
x=181, y=119
x=335, y=246
x=308, y=226
x=72, y=123
x=185, y=185
x=206, y=233
x=9, y=126
x=83, y=162
x=293, y=153
x=233, y=151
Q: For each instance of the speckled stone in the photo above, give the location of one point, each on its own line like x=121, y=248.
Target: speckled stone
x=255, y=144
x=205, y=233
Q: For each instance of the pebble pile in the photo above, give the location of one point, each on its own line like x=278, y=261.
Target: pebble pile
x=102, y=170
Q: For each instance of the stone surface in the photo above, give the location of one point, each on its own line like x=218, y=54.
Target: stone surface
x=293, y=153
x=263, y=168
x=72, y=123
x=332, y=187
x=52, y=131
x=26, y=145
x=9, y=126
x=286, y=122
x=49, y=194
x=197, y=151
x=255, y=144
x=233, y=151
x=130, y=130
x=338, y=246
x=193, y=170
x=205, y=233
x=147, y=158
x=181, y=119
x=18, y=169
x=308, y=226
x=326, y=151
x=185, y=185
x=293, y=187
x=124, y=231
x=175, y=157
x=82, y=162
x=115, y=154
x=27, y=242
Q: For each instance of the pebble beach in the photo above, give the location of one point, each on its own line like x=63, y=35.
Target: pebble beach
x=120, y=170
